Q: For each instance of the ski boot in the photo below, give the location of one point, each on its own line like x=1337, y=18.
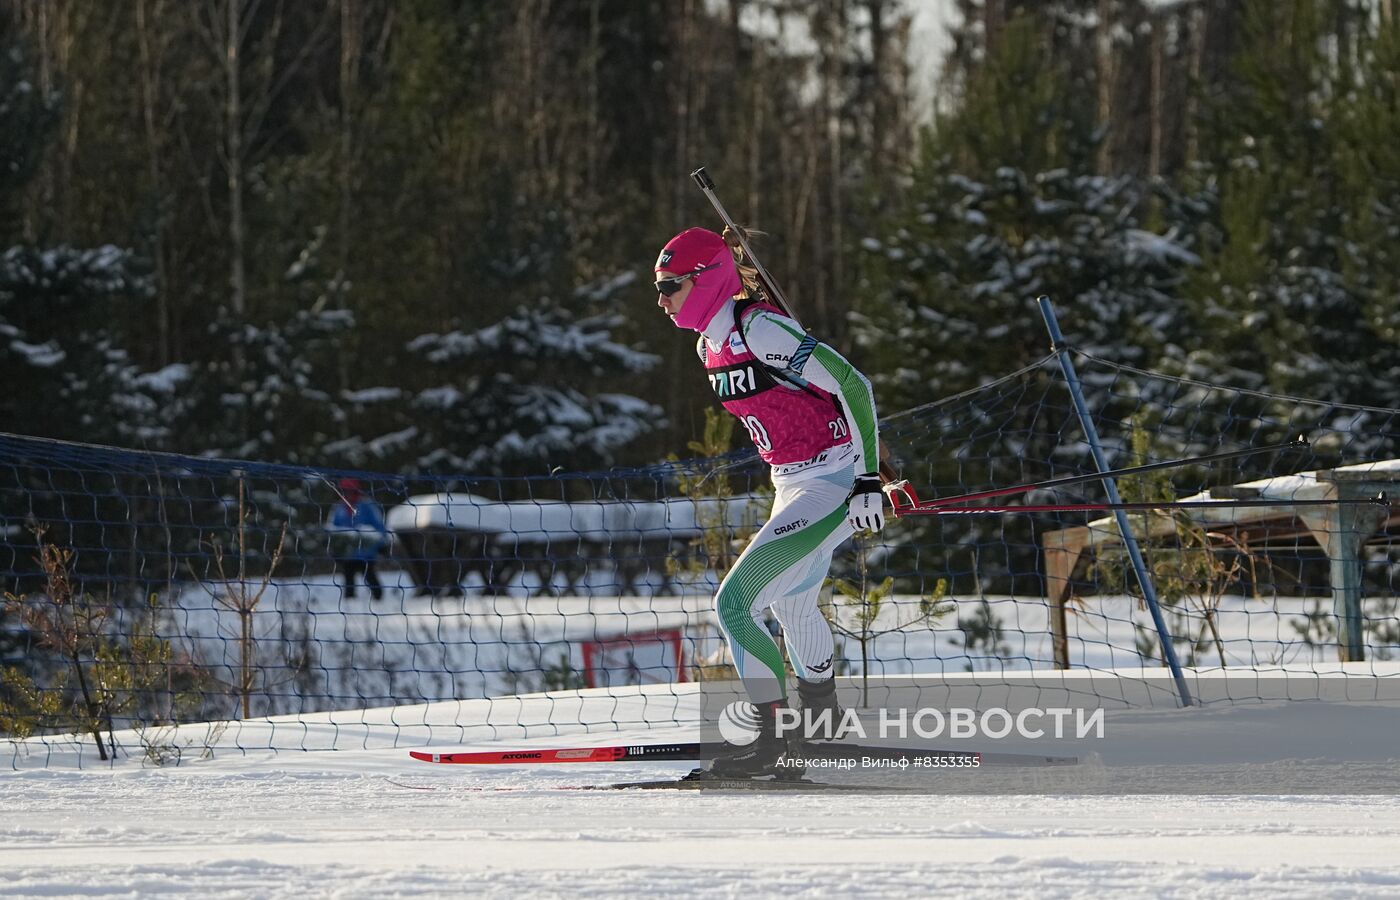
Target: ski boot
x=820, y=695
x=821, y=711
x=755, y=760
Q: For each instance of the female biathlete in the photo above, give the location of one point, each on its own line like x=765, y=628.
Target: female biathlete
x=812, y=417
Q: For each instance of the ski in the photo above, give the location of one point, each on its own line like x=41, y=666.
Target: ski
x=687, y=752
x=697, y=750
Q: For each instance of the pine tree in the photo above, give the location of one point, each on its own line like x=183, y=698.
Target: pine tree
x=1288, y=290
x=949, y=280
x=63, y=359
x=1370, y=166
x=529, y=393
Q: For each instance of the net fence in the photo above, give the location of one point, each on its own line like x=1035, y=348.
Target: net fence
x=1241, y=585
x=147, y=589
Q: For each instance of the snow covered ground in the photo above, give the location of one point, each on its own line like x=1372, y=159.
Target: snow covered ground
x=317, y=650
x=359, y=818
x=343, y=826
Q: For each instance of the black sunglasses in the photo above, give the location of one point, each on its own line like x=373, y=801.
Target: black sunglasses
x=670, y=286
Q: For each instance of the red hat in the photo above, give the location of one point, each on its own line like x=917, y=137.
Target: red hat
x=350, y=486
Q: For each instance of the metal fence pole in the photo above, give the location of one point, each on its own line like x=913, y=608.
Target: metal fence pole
x=1149, y=593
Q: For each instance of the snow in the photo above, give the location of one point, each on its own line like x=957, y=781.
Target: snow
x=45, y=355
x=605, y=288
x=373, y=395
x=231, y=834
x=533, y=521
x=444, y=397
x=165, y=380
x=1159, y=247
x=353, y=652
x=1309, y=485
x=1168, y=5
x=350, y=652
x=230, y=831
x=367, y=821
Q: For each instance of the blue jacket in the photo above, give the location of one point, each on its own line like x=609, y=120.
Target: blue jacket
x=360, y=535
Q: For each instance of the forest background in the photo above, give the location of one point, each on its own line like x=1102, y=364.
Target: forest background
x=417, y=236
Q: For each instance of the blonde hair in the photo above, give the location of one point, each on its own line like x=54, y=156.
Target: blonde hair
x=748, y=272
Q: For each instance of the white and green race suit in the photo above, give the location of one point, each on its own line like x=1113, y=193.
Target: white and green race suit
x=785, y=563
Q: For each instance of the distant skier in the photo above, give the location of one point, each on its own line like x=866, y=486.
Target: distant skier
x=812, y=417
x=358, y=536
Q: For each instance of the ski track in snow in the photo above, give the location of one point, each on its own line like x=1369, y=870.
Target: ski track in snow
x=374, y=823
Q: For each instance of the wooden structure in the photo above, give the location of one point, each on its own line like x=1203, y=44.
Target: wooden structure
x=1341, y=530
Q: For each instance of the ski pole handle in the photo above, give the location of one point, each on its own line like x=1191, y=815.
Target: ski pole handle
x=770, y=287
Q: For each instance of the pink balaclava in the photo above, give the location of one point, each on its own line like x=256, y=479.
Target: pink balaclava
x=694, y=249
